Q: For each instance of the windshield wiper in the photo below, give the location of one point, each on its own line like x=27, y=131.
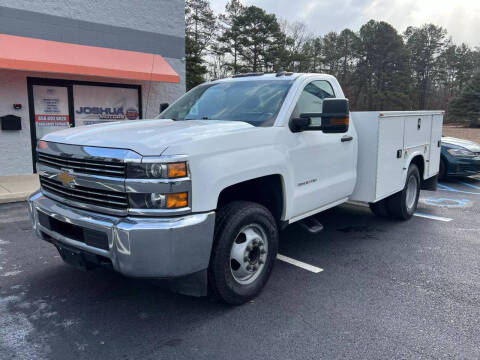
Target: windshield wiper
x=203, y=118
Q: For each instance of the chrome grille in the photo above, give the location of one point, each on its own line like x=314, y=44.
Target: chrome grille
x=103, y=198
x=83, y=166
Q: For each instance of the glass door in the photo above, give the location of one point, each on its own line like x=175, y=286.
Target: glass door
x=51, y=109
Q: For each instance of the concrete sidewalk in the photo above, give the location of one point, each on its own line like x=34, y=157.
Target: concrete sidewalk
x=17, y=187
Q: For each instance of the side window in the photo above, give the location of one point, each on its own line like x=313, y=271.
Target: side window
x=311, y=99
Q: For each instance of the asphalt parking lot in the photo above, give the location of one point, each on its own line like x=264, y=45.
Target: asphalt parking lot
x=387, y=289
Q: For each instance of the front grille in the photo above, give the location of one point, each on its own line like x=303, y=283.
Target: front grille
x=83, y=166
x=104, y=198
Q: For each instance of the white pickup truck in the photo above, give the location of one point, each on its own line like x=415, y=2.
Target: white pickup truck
x=200, y=193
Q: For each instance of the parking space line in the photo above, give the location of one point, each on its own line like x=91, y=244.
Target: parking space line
x=471, y=185
x=448, y=188
x=433, y=217
x=300, y=264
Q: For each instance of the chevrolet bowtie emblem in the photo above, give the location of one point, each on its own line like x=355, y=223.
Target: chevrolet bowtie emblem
x=66, y=178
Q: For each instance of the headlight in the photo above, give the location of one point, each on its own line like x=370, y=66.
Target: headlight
x=158, y=201
x=156, y=170
x=461, y=152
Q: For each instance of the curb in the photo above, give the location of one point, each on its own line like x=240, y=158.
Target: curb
x=15, y=197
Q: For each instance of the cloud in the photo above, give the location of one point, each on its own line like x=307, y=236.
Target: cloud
x=460, y=18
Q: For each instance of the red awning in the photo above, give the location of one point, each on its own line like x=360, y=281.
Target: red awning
x=21, y=53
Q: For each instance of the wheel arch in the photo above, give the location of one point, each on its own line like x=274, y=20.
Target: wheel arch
x=268, y=191
x=419, y=160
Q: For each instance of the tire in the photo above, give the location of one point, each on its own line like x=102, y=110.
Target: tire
x=403, y=204
x=442, y=172
x=380, y=208
x=238, y=225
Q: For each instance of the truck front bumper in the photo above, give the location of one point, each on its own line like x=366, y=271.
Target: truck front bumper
x=135, y=246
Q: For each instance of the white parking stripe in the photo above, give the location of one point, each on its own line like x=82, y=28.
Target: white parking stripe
x=433, y=217
x=303, y=265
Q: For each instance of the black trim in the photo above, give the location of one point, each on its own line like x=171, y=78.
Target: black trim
x=71, y=105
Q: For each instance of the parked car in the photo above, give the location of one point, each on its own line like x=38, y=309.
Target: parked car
x=200, y=194
x=459, y=158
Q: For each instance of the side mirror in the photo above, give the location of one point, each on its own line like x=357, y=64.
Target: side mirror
x=163, y=107
x=300, y=124
x=334, y=118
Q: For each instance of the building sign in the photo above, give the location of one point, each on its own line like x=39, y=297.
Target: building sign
x=99, y=104
x=51, y=109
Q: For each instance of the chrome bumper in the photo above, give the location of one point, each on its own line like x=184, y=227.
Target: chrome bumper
x=137, y=246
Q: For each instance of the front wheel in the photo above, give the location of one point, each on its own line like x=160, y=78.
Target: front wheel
x=403, y=204
x=244, y=251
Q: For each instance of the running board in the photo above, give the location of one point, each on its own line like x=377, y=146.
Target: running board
x=312, y=225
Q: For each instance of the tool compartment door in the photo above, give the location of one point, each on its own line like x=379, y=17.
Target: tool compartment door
x=435, y=145
x=417, y=130
x=389, y=178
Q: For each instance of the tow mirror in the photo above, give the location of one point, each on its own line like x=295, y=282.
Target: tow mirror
x=300, y=124
x=163, y=107
x=334, y=118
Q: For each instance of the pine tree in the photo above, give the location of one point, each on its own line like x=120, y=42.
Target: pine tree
x=228, y=41
x=382, y=76
x=425, y=44
x=200, y=24
x=466, y=107
x=260, y=39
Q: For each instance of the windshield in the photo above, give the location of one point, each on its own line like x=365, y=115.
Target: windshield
x=255, y=102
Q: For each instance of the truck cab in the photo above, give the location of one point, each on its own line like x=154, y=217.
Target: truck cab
x=202, y=191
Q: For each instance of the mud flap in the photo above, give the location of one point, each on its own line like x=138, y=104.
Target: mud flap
x=430, y=184
x=195, y=284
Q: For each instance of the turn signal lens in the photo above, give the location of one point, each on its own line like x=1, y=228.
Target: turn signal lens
x=177, y=200
x=176, y=170
x=339, y=121
x=42, y=144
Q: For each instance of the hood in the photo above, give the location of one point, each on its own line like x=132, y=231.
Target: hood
x=467, y=144
x=146, y=137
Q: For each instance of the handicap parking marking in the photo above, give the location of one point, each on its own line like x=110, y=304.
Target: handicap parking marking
x=433, y=217
x=446, y=202
x=300, y=264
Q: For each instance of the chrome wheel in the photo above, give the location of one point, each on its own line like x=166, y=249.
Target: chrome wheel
x=411, y=195
x=248, y=254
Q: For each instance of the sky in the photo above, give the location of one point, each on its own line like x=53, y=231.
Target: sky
x=461, y=18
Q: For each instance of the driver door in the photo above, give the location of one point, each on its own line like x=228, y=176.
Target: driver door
x=323, y=163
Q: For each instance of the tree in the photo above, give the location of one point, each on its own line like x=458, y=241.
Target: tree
x=228, y=41
x=296, y=47
x=466, y=107
x=200, y=24
x=425, y=44
x=382, y=75
x=260, y=39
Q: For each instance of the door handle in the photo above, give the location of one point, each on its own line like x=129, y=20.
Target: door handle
x=346, y=138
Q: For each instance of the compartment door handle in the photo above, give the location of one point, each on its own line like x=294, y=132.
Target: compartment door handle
x=346, y=138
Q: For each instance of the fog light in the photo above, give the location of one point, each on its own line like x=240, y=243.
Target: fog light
x=177, y=200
